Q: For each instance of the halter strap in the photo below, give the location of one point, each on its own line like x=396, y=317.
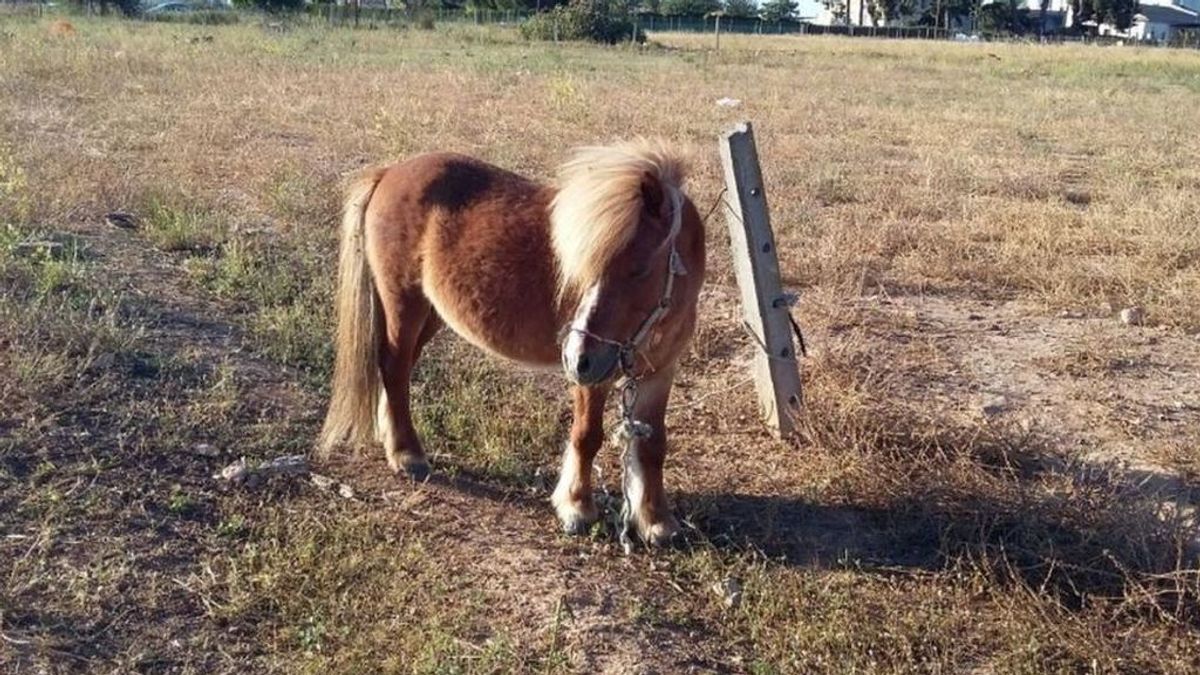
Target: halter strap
x=675, y=268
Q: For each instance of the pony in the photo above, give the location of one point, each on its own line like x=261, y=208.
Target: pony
x=597, y=273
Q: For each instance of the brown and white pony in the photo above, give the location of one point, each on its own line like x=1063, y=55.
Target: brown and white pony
x=614, y=252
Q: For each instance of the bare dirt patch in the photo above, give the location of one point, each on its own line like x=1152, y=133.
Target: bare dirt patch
x=952, y=505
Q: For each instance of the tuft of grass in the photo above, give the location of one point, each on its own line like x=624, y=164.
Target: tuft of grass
x=343, y=588
x=182, y=229
x=285, y=298
x=180, y=502
x=476, y=415
x=15, y=198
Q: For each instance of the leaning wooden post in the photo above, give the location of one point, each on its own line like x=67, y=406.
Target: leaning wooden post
x=764, y=304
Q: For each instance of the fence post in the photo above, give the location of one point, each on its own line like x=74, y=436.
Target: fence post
x=756, y=266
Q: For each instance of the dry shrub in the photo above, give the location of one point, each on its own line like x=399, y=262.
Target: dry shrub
x=62, y=28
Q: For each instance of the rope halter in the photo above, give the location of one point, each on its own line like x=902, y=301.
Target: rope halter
x=628, y=350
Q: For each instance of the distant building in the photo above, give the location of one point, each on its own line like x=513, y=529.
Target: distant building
x=1161, y=23
x=1156, y=21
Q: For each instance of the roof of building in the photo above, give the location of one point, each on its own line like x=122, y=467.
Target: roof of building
x=1172, y=15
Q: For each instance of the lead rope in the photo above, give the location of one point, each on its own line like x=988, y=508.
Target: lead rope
x=630, y=428
x=628, y=432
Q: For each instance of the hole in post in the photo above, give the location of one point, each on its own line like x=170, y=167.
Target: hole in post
x=794, y=401
x=766, y=248
x=786, y=353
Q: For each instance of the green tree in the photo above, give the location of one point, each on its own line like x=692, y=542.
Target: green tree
x=1005, y=17
x=838, y=9
x=741, y=8
x=609, y=21
x=126, y=7
x=1118, y=13
x=892, y=11
x=779, y=10
x=690, y=7
x=272, y=5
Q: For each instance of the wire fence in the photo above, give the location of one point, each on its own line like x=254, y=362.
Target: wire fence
x=652, y=23
x=346, y=14
x=756, y=26
x=351, y=15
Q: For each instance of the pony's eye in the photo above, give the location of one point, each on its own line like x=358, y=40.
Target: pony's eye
x=640, y=272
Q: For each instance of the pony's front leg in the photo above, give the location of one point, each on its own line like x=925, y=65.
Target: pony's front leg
x=573, y=499
x=649, y=513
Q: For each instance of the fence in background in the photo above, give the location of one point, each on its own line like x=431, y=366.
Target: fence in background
x=348, y=14
x=344, y=14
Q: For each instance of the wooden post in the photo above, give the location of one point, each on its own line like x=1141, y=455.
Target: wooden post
x=717, y=30
x=756, y=266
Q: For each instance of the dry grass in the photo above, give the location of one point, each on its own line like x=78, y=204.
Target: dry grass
x=896, y=536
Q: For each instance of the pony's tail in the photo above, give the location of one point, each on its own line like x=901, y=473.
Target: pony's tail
x=356, y=379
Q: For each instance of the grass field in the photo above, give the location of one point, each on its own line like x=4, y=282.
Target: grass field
x=994, y=474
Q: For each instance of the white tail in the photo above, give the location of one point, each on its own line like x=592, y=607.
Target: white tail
x=356, y=380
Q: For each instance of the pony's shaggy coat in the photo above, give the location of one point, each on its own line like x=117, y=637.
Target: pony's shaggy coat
x=447, y=240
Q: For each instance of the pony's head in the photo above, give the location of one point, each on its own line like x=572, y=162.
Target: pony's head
x=624, y=235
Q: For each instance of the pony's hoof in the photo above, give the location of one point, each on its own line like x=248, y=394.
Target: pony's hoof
x=418, y=471
x=416, y=466
x=662, y=535
x=576, y=519
x=576, y=527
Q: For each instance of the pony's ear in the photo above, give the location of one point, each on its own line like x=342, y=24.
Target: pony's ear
x=654, y=197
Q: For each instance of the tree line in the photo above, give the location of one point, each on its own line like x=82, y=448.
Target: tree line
x=771, y=10
x=999, y=16
x=1012, y=17
x=996, y=17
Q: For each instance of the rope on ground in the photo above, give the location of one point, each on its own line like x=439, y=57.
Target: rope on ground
x=724, y=390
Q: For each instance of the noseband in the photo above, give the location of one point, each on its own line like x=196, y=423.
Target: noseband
x=627, y=351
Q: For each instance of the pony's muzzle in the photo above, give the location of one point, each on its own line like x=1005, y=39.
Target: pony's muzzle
x=590, y=364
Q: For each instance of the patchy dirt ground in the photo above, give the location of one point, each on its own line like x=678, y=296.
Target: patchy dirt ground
x=979, y=484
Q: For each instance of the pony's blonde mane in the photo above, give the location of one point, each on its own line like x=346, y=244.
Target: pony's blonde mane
x=599, y=204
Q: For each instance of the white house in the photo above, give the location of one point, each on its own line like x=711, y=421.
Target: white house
x=1159, y=23
x=1156, y=20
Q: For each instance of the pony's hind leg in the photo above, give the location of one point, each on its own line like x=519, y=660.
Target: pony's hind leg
x=410, y=323
x=573, y=499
